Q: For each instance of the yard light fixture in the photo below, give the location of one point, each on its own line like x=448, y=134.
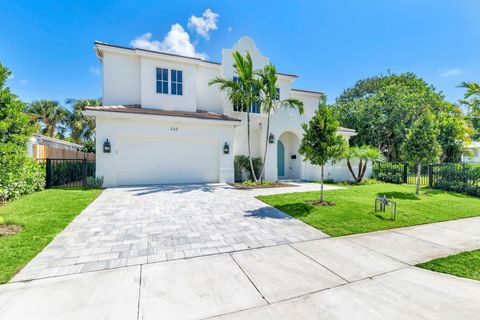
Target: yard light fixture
x=106, y=147
x=271, y=138
x=226, y=148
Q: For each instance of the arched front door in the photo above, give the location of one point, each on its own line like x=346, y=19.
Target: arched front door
x=280, y=159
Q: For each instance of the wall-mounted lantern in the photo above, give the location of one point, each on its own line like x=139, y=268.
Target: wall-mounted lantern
x=271, y=138
x=294, y=156
x=226, y=148
x=106, y=147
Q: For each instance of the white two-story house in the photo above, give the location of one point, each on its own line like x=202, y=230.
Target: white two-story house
x=161, y=122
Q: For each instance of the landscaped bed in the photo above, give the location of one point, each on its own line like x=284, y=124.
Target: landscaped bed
x=465, y=264
x=42, y=215
x=260, y=185
x=354, y=210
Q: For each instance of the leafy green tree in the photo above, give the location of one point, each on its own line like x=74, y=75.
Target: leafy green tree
x=364, y=154
x=421, y=146
x=242, y=92
x=18, y=173
x=321, y=142
x=271, y=102
x=382, y=108
x=51, y=116
x=82, y=129
x=452, y=132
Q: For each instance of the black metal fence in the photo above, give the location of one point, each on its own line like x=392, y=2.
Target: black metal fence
x=68, y=173
x=458, y=177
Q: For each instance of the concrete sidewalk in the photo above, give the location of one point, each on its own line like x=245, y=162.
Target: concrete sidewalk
x=367, y=276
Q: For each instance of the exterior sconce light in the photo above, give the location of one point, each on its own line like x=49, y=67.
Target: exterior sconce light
x=226, y=148
x=106, y=147
x=271, y=138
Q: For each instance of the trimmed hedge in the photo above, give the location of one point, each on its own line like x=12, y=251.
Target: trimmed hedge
x=389, y=172
x=461, y=178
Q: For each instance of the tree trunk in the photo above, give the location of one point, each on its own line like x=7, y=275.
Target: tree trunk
x=360, y=165
x=364, y=169
x=266, y=146
x=321, y=187
x=254, y=176
x=349, y=165
x=419, y=171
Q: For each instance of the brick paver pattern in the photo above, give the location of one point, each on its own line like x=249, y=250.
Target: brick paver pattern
x=138, y=225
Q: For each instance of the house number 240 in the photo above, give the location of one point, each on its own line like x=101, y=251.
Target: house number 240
x=174, y=129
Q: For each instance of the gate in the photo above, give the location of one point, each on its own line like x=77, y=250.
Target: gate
x=68, y=173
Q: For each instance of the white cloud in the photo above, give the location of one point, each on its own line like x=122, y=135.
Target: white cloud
x=177, y=41
x=94, y=70
x=230, y=29
x=202, y=25
x=452, y=72
x=23, y=81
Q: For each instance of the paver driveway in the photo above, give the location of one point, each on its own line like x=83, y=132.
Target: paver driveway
x=138, y=225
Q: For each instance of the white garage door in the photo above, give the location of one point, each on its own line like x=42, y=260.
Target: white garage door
x=167, y=160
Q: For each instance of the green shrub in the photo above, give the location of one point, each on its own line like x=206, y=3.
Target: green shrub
x=242, y=168
x=22, y=177
x=94, y=183
x=392, y=173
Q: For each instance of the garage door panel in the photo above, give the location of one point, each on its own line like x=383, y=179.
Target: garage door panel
x=167, y=160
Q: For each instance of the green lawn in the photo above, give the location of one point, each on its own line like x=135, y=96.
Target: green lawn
x=465, y=264
x=43, y=215
x=354, y=210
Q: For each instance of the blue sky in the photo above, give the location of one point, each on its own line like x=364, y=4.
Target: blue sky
x=329, y=44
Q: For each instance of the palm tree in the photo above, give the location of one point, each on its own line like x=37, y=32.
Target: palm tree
x=82, y=129
x=471, y=96
x=242, y=92
x=364, y=154
x=270, y=101
x=50, y=114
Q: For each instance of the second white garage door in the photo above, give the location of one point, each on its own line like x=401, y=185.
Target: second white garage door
x=167, y=160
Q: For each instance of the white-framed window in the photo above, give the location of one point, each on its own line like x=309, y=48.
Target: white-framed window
x=176, y=82
x=162, y=80
x=278, y=94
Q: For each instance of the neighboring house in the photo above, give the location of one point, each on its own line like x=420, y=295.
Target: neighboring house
x=472, y=153
x=165, y=124
x=42, y=147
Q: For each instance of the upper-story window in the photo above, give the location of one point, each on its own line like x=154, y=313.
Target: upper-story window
x=277, y=97
x=177, y=82
x=254, y=108
x=162, y=80
x=174, y=81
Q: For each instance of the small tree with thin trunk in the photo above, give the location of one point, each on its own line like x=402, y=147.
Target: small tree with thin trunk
x=364, y=154
x=421, y=145
x=321, y=142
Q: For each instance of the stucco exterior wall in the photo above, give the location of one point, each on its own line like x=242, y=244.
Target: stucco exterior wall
x=114, y=128
x=121, y=79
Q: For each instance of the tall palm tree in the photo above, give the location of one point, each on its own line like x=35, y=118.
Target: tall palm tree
x=270, y=101
x=242, y=92
x=82, y=129
x=50, y=114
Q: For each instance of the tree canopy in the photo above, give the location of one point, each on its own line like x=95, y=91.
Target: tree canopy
x=382, y=109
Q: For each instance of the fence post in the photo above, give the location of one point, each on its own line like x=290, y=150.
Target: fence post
x=84, y=164
x=430, y=175
x=48, y=173
x=405, y=172
x=464, y=175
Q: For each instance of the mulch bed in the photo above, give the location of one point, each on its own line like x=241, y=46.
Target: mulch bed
x=9, y=229
x=321, y=204
x=242, y=186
